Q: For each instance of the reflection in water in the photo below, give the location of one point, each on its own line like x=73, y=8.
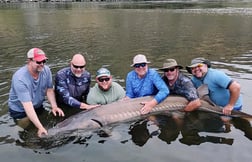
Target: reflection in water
x=139, y=132
x=196, y=122
x=31, y=141
x=190, y=127
x=244, y=125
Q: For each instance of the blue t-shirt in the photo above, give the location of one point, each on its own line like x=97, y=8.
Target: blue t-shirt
x=150, y=84
x=218, y=83
x=25, y=88
x=71, y=90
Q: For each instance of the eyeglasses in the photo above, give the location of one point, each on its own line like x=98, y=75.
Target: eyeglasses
x=78, y=67
x=40, y=62
x=103, y=79
x=140, y=65
x=171, y=70
x=198, y=66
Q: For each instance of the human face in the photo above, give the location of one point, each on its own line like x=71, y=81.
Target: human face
x=104, y=82
x=78, y=69
x=141, y=69
x=37, y=66
x=78, y=65
x=171, y=73
x=200, y=70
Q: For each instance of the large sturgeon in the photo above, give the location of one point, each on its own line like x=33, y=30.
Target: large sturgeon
x=127, y=110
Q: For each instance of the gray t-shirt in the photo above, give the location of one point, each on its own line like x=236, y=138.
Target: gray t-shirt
x=25, y=88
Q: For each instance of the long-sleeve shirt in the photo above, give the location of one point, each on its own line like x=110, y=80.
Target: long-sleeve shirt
x=150, y=84
x=183, y=86
x=71, y=90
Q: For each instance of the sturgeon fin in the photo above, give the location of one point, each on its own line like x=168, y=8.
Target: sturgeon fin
x=97, y=121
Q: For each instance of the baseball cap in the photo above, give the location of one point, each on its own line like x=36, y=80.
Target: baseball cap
x=103, y=72
x=199, y=60
x=36, y=54
x=139, y=59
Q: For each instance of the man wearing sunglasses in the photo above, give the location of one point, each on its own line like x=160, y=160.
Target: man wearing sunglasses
x=223, y=91
x=72, y=84
x=143, y=81
x=105, y=90
x=179, y=84
x=30, y=84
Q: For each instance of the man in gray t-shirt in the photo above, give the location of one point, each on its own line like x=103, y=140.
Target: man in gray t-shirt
x=30, y=84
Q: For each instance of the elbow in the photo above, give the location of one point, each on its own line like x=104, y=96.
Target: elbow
x=235, y=87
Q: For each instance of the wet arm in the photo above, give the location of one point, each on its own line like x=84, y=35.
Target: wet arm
x=234, y=89
x=51, y=98
x=31, y=114
x=163, y=90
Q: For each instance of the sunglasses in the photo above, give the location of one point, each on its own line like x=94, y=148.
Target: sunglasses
x=40, y=62
x=78, y=67
x=140, y=65
x=198, y=66
x=171, y=70
x=103, y=79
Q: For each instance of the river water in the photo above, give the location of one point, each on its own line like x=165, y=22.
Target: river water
x=110, y=34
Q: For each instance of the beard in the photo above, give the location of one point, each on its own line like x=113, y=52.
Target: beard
x=77, y=75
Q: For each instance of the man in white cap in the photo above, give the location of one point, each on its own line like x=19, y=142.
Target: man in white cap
x=223, y=91
x=143, y=81
x=105, y=90
x=179, y=84
x=30, y=84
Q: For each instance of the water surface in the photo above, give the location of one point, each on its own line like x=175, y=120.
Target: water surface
x=110, y=34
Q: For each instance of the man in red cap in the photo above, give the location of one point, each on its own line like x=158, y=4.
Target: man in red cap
x=30, y=84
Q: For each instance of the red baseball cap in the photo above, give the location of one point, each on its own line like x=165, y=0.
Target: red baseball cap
x=36, y=54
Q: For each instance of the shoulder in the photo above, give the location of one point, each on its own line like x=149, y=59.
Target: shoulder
x=217, y=74
x=131, y=74
x=152, y=71
x=21, y=70
x=153, y=74
x=115, y=84
x=86, y=74
x=21, y=73
x=63, y=71
x=46, y=68
x=93, y=90
x=62, y=74
x=184, y=77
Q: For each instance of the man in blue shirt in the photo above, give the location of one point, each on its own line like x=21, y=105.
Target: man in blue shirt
x=143, y=81
x=29, y=86
x=223, y=90
x=72, y=84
